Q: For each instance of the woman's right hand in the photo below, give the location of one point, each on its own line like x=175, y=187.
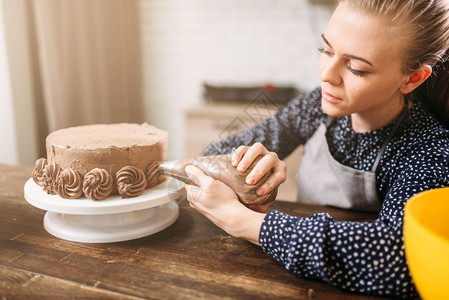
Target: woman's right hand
x=244, y=156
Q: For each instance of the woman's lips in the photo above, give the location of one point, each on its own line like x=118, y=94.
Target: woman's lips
x=330, y=98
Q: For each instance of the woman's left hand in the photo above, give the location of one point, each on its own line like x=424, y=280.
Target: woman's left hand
x=244, y=156
x=219, y=203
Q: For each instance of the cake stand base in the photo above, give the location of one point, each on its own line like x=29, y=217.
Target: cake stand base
x=111, y=228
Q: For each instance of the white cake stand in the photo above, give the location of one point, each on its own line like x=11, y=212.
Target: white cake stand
x=112, y=220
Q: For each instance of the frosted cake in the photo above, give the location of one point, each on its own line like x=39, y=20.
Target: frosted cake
x=96, y=161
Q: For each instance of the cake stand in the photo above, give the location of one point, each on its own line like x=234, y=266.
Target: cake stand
x=111, y=220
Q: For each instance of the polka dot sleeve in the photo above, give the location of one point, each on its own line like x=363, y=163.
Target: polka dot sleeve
x=290, y=127
x=359, y=257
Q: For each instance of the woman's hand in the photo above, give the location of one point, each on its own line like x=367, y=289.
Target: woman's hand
x=220, y=204
x=243, y=157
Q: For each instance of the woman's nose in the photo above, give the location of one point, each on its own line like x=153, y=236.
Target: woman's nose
x=330, y=71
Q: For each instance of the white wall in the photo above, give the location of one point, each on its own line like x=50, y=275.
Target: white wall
x=8, y=147
x=188, y=42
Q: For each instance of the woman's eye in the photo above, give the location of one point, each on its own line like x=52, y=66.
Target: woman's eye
x=356, y=72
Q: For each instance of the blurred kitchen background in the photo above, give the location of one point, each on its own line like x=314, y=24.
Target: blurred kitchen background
x=69, y=63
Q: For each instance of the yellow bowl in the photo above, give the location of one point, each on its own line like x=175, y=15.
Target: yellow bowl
x=426, y=238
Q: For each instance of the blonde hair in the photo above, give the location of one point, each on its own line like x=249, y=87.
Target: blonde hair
x=425, y=25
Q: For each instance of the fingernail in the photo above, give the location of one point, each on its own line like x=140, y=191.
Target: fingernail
x=234, y=162
x=188, y=169
x=250, y=180
x=260, y=191
x=240, y=168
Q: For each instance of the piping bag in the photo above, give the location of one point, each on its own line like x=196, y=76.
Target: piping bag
x=220, y=168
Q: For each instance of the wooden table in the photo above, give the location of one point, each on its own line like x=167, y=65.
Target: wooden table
x=190, y=259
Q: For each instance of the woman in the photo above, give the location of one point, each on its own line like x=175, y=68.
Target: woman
x=374, y=135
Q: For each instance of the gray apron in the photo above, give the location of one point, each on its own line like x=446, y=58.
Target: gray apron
x=323, y=180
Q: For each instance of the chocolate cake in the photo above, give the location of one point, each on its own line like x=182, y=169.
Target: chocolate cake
x=96, y=161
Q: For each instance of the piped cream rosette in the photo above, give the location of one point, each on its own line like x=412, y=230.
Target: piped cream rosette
x=97, y=184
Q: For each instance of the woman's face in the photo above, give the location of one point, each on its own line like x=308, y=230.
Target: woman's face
x=360, y=69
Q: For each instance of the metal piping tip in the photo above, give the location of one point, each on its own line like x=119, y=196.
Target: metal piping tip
x=166, y=167
x=174, y=170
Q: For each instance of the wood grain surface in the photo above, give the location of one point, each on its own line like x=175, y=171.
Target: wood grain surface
x=192, y=259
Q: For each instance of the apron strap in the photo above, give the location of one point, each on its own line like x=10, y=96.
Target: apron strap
x=390, y=136
x=329, y=121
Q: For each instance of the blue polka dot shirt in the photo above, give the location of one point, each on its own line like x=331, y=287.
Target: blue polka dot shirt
x=363, y=257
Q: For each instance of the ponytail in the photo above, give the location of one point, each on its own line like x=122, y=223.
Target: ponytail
x=434, y=92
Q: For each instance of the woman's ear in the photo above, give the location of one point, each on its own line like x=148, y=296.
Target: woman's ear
x=415, y=79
